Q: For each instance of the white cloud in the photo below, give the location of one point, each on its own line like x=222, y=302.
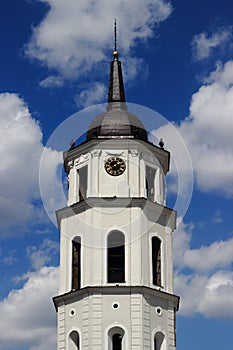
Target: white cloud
x=50, y=178
x=181, y=243
x=203, y=277
x=74, y=35
x=205, y=259
x=132, y=66
x=20, y=150
x=40, y=256
x=51, y=81
x=217, y=300
x=203, y=45
x=209, y=296
x=217, y=255
x=207, y=132
x=94, y=94
x=190, y=289
x=29, y=315
x=222, y=75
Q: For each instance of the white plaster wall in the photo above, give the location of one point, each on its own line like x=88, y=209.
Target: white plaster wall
x=130, y=184
x=138, y=231
x=93, y=313
x=93, y=316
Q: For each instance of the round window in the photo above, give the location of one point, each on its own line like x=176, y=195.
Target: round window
x=158, y=311
x=115, y=306
x=72, y=312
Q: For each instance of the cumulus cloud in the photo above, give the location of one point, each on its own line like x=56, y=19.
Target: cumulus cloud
x=207, y=287
x=217, y=300
x=207, y=132
x=217, y=255
x=209, y=296
x=41, y=256
x=190, y=288
x=20, y=150
x=74, y=35
x=50, y=181
x=51, y=82
x=181, y=243
x=203, y=45
x=95, y=93
x=29, y=316
x=204, y=259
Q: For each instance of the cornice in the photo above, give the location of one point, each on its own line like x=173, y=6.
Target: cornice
x=117, y=143
x=165, y=216
x=116, y=289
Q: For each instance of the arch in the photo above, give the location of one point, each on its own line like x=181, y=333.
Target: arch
x=76, y=263
x=159, y=341
x=156, y=261
x=116, y=338
x=73, y=341
x=116, y=257
x=83, y=177
x=150, y=182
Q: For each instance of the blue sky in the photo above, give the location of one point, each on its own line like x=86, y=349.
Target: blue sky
x=177, y=60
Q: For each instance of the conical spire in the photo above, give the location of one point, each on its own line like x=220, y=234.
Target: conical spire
x=116, y=91
x=116, y=122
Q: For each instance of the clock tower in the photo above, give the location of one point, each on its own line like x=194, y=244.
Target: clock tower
x=116, y=268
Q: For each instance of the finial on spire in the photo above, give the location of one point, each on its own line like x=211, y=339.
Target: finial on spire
x=115, y=52
x=116, y=86
x=115, y=36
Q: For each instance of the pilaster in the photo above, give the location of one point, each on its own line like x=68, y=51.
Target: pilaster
x=136, y=326
x=97, y=322
x=146, y=322
x=61, y=327
x=86, y=322
x=171, y=326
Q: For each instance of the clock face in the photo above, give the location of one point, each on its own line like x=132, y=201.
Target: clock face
x=115, y=166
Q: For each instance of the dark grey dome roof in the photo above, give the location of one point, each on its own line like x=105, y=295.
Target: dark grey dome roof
x=116, y=123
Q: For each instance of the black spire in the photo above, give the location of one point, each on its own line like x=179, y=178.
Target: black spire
x=116, y=122
x=116, y=91
x=115, y=36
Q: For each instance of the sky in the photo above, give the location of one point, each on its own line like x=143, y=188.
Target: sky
x=177, y=60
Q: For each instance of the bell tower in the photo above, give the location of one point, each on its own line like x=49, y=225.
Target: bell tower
x=116, y=268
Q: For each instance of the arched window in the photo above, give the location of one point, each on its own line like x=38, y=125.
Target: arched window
x=76, y=263
x=116, y=257
x=73, y=341
x=116, y=341
x=116, y=338
x=82, y=173
x=156, y=261
x=150, y=183
x=159, y=341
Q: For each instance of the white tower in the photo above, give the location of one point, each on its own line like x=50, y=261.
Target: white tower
x=116, y=269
